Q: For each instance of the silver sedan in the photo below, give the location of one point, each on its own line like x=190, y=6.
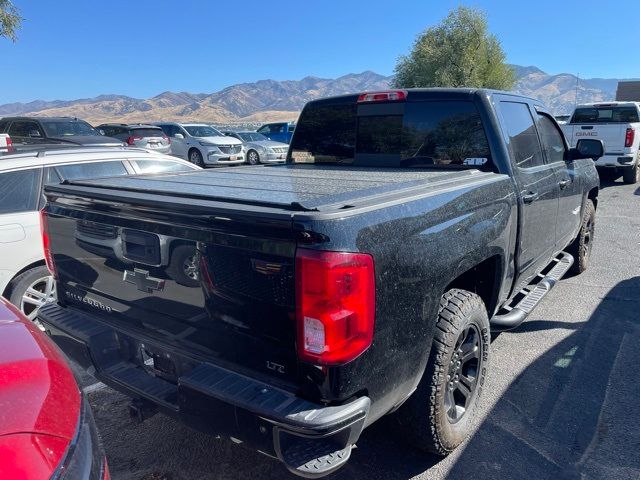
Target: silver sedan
x=259, y=149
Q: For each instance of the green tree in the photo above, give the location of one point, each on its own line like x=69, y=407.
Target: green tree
x=9, y=20
x=459, y=52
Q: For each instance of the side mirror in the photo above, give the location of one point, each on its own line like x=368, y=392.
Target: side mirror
x=179, y=136
x=587, y=148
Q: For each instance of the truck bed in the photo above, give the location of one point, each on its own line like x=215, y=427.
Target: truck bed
x=290, y=187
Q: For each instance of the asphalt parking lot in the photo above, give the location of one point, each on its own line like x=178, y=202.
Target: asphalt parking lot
x=559, y=402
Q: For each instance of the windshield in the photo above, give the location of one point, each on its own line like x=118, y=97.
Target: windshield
x=414, y=134
x=202, y=131
x=252, y=137
x=68, y=128
x=605, y=114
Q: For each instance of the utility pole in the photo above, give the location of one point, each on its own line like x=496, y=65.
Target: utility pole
x=577, y=84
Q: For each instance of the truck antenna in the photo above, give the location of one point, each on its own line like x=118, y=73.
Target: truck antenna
x=577, y=84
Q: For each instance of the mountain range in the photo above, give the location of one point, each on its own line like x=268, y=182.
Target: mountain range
x=271, y=100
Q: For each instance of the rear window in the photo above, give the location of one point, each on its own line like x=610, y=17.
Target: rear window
x=84, y=171
x=605, y=115
x=147, y=132
x=414, y=134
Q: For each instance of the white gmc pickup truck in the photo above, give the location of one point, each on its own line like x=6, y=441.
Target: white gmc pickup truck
x=617, y=124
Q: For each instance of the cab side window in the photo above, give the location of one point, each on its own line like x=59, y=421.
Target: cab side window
x=19, y=191
x=551, y=139
x=25, y=129
x=523, y=138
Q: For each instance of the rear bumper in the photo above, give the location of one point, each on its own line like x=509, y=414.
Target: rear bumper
x=621, y=160
x=311, y=439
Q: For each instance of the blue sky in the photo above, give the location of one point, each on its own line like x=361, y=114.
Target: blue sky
x=74, y=49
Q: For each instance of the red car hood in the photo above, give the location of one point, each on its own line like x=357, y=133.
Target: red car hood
x=38, y=392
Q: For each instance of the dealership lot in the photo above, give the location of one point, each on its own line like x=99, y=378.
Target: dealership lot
x=556, y=403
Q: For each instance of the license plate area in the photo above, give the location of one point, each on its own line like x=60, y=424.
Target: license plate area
x=158, y=363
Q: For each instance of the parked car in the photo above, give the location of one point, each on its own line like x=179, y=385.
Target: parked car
x=362, y=278
x=6, y=145
x=278, y=132
x=138, y=135
x=47, y=429
x=259, y=149
x=24, y=278
x=202, y=144
x=562, y=119
x=617, y=124
x=45, y=130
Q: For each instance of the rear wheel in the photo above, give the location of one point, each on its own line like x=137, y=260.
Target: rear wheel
x=195, y=157
x=632, y=175
x=581, y=247
x=183, y=266
x=252, y=157
x=439, y=414
x=32, y=289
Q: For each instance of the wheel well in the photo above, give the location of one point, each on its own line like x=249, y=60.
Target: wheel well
x=593, y=196
x=481, y=280
x=7, y=290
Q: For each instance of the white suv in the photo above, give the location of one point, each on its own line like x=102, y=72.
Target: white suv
x=202, y=144
x=24, y=278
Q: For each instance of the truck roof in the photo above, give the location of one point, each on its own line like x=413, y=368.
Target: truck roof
x=609, y=104
x=436, y=92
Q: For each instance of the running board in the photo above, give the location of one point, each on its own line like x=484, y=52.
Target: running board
x=513, y=314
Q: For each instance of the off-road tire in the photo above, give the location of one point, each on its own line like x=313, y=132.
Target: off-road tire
x=177, y=268
x=581, y=247
x=423, y=419
x=631, y=175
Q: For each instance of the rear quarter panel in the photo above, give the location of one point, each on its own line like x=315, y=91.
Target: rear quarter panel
x=419, y=246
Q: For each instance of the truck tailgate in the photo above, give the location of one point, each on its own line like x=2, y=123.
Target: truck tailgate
x=613, y=135
x=216, y=286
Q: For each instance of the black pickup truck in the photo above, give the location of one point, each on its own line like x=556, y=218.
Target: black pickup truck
x=362, y=278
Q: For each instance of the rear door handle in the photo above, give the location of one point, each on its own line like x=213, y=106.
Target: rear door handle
x=563, y=183
x=530, y=197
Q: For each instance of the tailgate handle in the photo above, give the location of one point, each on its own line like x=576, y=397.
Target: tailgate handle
x=587, y=127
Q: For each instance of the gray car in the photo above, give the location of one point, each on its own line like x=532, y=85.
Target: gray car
x=259, y=149
x=140, y=135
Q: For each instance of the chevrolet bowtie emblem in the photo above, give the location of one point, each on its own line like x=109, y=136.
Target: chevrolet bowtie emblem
x=142, y=280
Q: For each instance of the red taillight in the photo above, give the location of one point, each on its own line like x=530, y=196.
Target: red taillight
x=131, y=140
x=9, y=145
x=164, y=137
x=335, y=305
x=46, y=244
x=628, y=137
x=386, y=96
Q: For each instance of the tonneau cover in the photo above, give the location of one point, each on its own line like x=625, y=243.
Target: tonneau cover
x=294, y=187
